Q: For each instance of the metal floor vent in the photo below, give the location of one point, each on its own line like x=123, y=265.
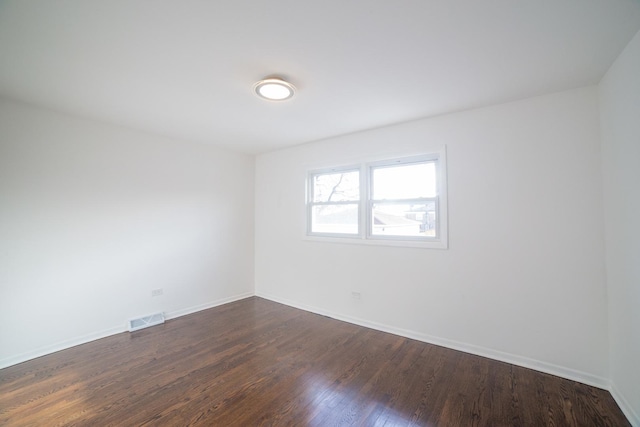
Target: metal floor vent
x=146, y=321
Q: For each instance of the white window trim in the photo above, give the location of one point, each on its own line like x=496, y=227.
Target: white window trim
x=365, y=237
x=359, y=202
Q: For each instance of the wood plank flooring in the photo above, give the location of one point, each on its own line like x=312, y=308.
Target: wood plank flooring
x=255, y=362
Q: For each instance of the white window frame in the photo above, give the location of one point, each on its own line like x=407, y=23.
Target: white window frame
x=365, y=205
x=311, y=204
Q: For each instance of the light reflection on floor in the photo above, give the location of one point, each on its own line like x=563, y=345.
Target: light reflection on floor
x=330, y=402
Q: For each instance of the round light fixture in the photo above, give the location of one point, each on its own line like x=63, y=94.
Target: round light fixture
x=274, y=89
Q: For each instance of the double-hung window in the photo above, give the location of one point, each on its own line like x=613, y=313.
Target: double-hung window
x=395, y=201
x=334, y=205
x=403, y=199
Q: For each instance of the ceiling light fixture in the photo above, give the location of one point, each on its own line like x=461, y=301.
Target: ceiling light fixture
x=274, y=89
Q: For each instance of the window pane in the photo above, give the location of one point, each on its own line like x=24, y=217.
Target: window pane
x=394, y=219
x=342, y=219
x=336, y=187
x=404, y=182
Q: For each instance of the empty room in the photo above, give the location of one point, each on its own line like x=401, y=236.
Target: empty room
x=328, y=213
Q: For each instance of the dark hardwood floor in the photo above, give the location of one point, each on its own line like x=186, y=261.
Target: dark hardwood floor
x=256, y=362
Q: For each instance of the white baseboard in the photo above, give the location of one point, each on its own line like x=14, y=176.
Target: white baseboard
x=624, y=405
x=200, y=307
x=63, y=345
x=548, y=368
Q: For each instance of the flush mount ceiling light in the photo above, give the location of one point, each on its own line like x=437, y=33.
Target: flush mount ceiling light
x=274, y=89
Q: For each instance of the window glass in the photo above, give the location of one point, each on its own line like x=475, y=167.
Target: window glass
x=404, y=219
x=335, y=219
x=336, y=187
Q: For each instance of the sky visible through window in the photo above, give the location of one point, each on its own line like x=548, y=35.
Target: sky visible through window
x=404, y=182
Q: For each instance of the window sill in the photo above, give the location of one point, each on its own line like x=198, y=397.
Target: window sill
x=356, y=240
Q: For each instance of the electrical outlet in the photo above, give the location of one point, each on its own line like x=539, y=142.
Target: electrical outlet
x=356, y=295
x=156, y=292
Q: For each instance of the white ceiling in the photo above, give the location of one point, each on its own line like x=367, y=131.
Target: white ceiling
x=185, y=68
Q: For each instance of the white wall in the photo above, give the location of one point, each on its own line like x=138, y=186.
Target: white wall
x=523, y=280
x=92, y=217
x=620, y=115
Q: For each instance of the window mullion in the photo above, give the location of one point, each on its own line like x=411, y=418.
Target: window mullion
x=363, y=224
